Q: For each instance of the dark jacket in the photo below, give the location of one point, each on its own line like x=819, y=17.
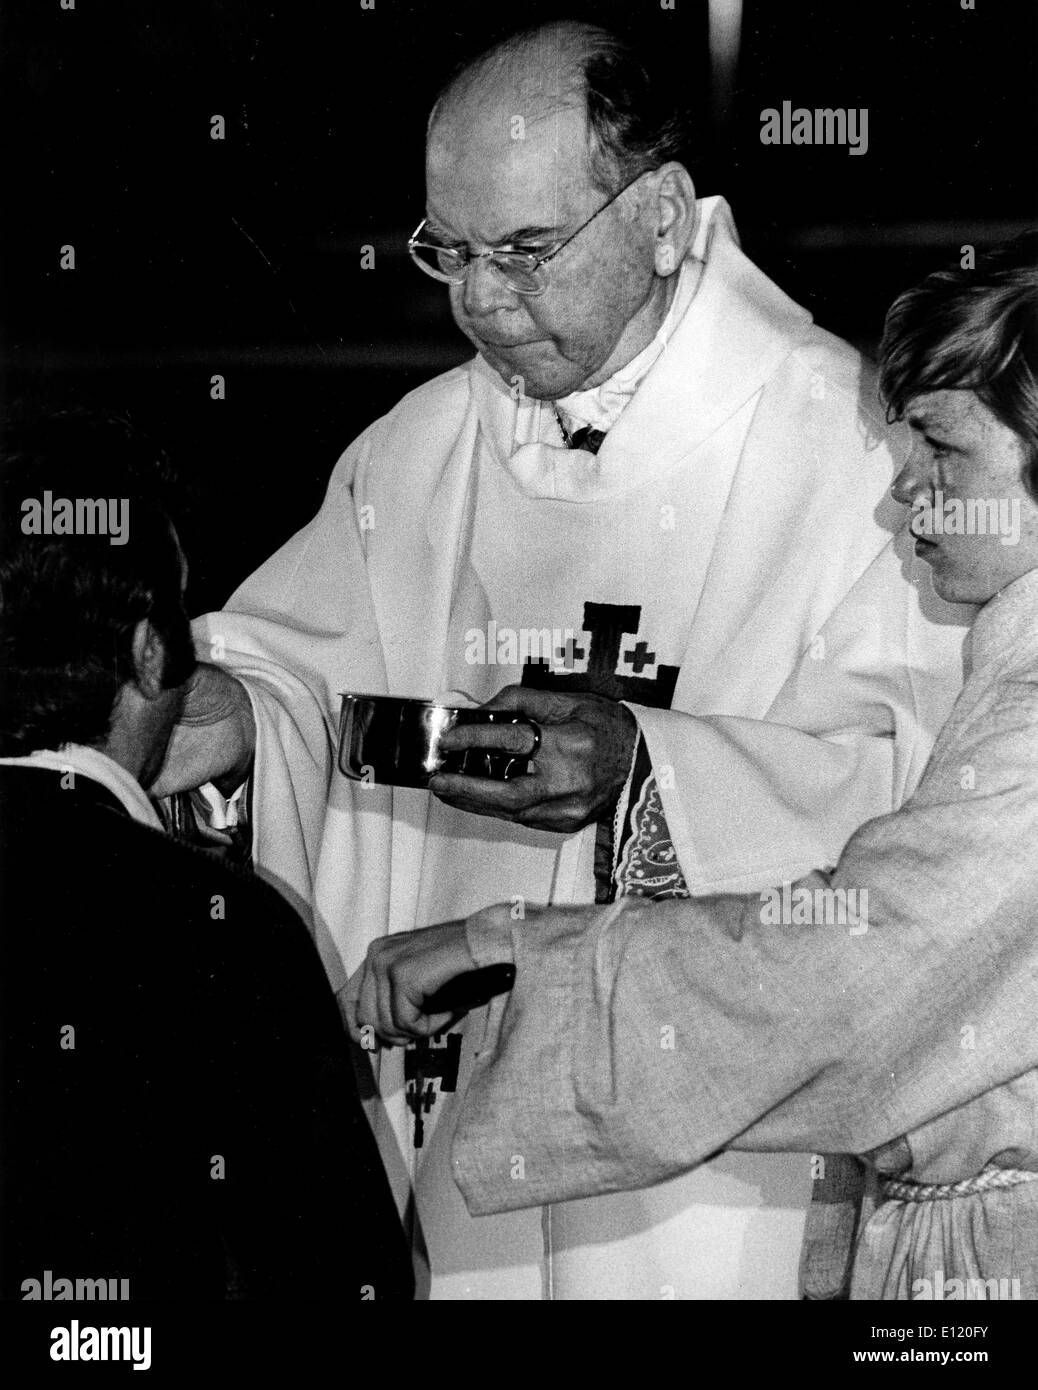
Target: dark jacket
x=179, y=1106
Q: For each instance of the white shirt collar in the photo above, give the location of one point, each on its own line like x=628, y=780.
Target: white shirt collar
x=96, y=767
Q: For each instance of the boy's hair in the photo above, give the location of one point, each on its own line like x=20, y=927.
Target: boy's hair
x=971, y=330
x=69, y=603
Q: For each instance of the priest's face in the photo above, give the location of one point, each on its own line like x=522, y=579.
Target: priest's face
x=975, y=522
x=510, y=167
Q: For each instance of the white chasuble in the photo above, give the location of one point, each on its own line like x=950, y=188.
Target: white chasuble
x=730, y=565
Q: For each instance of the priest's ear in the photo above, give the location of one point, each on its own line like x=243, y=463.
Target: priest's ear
x=676, y=215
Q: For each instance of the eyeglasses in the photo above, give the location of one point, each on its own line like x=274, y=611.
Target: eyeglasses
x=521, y=270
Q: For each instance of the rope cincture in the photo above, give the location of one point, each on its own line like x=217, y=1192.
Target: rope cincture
x=989, y=1179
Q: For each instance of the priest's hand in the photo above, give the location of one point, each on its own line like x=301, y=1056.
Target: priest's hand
x=385, y=996
x=587, y=742
x=215, y=738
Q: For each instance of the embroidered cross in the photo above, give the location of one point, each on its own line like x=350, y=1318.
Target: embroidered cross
x=608, y=625
x=422, y=1062
x=640, y=657
x=570, y=653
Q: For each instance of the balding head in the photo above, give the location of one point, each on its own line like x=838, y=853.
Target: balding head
x=523, y=144
x=580, y=67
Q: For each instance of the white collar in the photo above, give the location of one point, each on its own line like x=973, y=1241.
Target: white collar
x=96, y=767
x=729, y=342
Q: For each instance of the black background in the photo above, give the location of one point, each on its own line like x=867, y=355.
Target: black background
x=243, y=256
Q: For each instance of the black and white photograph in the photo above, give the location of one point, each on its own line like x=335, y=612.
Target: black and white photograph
x=518, y=673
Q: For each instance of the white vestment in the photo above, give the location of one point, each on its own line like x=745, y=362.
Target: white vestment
x=732, y=540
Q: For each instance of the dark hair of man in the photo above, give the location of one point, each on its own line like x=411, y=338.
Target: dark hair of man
x=630, y=127
x=972, y=330
x=69, y=604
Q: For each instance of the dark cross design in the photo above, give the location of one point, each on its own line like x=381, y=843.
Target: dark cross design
x=569, y=654
x=421, y=1102
x=423, y=1061
x=640, y=657
x=609, y=624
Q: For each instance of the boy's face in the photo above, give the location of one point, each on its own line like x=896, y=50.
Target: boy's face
x=975, y=523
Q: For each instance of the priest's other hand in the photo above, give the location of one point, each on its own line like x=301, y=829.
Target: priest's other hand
x=386, y=994
x=587, y=742
x=214, y=739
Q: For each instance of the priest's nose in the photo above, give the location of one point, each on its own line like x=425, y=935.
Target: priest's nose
x=483, y=291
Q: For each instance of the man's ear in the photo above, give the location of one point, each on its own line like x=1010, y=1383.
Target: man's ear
x=677, y=216
x=149, y=660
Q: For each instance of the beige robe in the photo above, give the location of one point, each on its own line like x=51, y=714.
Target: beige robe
x=908, y=1034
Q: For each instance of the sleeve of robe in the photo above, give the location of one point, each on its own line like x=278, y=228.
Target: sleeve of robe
x=641, y=1038
x=298, y=632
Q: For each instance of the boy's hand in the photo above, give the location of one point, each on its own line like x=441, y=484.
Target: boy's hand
x=385, y=996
